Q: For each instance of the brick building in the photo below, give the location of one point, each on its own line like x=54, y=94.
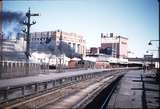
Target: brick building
x=74, y=40
x=117, y=46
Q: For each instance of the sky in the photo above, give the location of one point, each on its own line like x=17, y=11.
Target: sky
x=135, y=19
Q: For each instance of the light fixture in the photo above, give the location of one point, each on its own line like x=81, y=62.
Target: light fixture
x=150, y=43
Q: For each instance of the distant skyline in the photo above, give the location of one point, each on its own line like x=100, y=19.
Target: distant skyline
x=135, y=19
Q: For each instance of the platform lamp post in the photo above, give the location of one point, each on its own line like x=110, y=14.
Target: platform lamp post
x=27, y=32
x=158, y=70
x=151, y=59
x=151, y=50
x=60, y=49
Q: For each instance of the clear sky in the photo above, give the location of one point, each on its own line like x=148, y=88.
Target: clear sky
x=135, y=19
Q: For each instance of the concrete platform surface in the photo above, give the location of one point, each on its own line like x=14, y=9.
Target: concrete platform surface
x=48, y=76
x=43, y=77
x=136, y=90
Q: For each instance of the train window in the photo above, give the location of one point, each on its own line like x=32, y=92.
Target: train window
x=80, y=62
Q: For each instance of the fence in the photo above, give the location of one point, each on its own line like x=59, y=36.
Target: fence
x=11, y=69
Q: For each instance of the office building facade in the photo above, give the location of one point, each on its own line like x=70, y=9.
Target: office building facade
x=74, y=40
x=114, y=45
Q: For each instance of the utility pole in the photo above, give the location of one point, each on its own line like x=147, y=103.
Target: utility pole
x=159, y=42
x=60, y=48
x=28, y=24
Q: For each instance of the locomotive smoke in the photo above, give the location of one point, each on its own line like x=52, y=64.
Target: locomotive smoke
x=68, y=50
x=62, y=48
x=12, y=16
x=13, y=20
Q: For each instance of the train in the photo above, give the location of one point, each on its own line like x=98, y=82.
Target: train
x=75, y=64
x=97, y=62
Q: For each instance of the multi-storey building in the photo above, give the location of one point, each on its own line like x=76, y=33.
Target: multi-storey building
x=114, y=45
x=74, y=40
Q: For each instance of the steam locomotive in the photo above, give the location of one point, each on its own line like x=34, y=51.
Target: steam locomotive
x=73, y=64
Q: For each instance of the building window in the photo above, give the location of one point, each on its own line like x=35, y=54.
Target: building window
x=124, y=43
x=74, y=46
x=69, y=44
x=78, y=48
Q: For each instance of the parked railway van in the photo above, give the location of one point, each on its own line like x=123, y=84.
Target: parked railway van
x=102, y=65
x=73, y=64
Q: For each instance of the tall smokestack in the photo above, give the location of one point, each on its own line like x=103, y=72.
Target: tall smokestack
x=111, y=34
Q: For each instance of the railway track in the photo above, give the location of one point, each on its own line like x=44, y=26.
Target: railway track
x=84, y=95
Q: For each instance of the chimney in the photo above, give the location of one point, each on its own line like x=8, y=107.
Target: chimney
x=111, y=34
x=101, y=35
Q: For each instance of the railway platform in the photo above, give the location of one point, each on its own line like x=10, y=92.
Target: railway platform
x=49, y=76
x=43, y=77
x=36, y=88
x=52, y=86
x=137, y=89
